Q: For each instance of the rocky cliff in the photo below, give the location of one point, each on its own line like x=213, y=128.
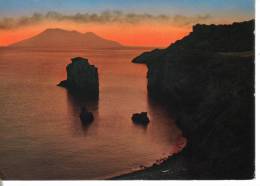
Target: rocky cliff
x=82, y=78
x=207, y=81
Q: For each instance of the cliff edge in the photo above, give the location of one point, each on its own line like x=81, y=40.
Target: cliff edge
x=207, y=81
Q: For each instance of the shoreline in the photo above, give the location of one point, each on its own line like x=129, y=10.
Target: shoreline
x=207, y=79
x=173, y=167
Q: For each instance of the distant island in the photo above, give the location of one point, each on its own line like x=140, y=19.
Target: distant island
x=56, y=38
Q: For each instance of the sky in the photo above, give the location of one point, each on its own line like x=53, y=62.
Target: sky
x=131, y=22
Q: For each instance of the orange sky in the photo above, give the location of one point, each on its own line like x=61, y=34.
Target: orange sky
x=134, y=23
x=145, y=34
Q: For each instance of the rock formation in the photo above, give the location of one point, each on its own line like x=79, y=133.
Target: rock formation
x=140, y=118
x=82, y=78
x=207, y=80
x=86, y=117
x=237, y=37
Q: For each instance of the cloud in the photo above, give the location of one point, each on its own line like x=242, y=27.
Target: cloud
x=7, y=23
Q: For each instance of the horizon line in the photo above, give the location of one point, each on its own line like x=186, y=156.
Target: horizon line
x=77, y=31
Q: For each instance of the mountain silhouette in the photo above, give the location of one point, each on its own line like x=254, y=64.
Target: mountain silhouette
x=59, y=38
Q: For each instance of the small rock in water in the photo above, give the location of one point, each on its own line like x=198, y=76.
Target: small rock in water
x=86, y=117
x=140, y=118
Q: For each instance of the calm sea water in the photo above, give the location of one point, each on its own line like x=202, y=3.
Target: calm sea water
x=41, y=136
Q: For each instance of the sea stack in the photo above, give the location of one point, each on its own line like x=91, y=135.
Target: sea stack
x=82, y=78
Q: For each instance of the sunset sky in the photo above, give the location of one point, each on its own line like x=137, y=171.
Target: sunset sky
x=130, y=22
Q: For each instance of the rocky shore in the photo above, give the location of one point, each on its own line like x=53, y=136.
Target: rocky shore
x=207, y=81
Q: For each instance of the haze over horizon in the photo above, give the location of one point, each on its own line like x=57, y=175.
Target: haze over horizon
x=132, y=23
x=56, y=38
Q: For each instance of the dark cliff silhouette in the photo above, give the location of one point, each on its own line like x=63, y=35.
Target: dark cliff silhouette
x=59, y=38
x=237, y=37
x=207, y=81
